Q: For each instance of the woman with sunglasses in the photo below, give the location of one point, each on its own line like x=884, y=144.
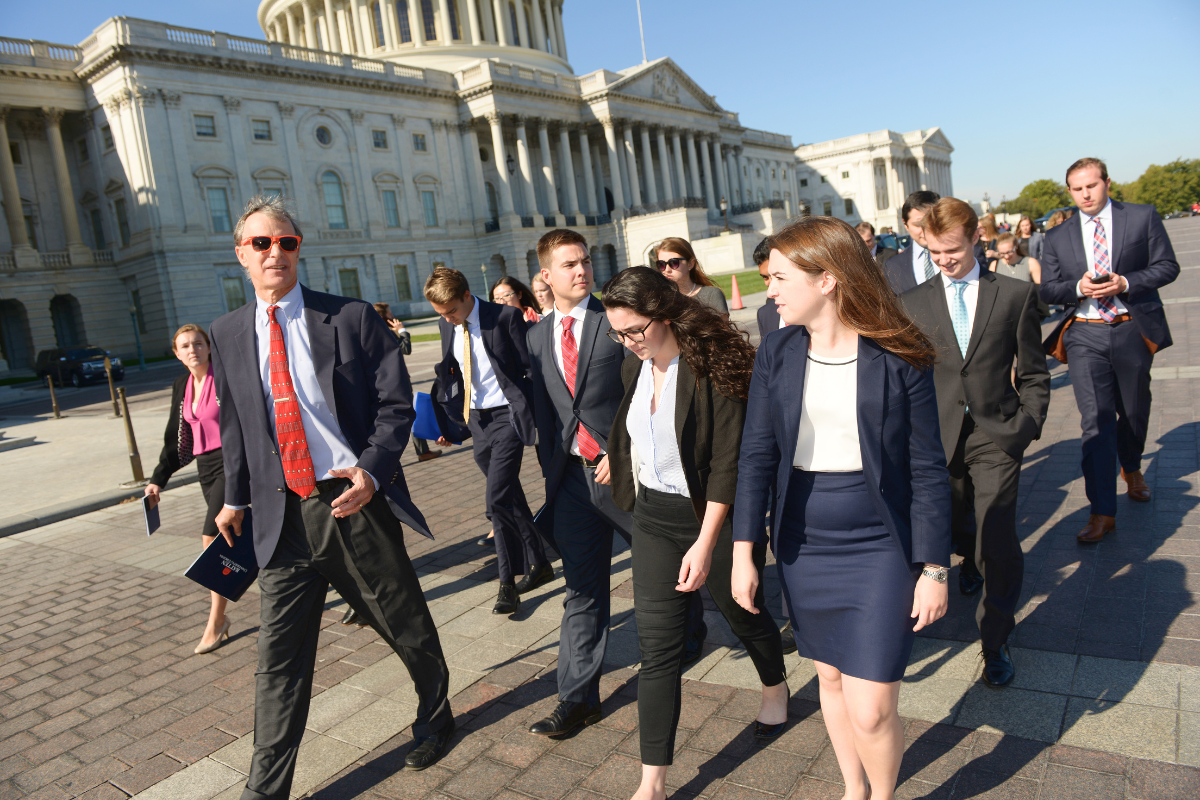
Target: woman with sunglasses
x=508, y=291
x=677, y=262
x=673, y=456
x=542, y=293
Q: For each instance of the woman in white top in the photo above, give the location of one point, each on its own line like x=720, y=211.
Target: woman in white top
x=842, y=428
x=673, y=454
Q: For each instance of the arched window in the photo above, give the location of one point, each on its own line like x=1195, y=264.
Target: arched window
x=335, y=203
x=428, y=20
x=452, y=8
x=402, y=19
x=516, y=29
x=377, y=18
x=492, y=203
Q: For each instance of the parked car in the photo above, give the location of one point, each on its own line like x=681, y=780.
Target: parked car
x=893, y=241
x=78, y=365
x=1044, y=218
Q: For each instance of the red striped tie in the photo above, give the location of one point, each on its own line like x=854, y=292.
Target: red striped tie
x=1105, y=305
x=293, y=446
x=570, y=353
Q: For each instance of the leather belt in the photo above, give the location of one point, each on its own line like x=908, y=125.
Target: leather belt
x=1113, y=321
x=583, y=461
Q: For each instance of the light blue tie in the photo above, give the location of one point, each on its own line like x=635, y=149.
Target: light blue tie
x=958, y=315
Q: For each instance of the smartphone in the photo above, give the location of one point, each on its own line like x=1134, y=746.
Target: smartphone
x=1105, y=278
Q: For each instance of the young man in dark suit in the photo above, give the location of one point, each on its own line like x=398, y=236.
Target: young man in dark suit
x=982, y=324
x=881, y=254
x=316, y=409
x=1106, y=264
x=484, y=372
x=912, y=265
x=768, y=314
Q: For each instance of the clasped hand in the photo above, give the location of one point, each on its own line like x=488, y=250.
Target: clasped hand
x=1113, y=286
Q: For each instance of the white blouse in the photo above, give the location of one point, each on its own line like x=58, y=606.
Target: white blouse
x=656, y=463
x=828, y=440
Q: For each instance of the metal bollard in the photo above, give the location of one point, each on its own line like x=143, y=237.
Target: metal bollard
x=53, y=399
x=135, y=459
x=112, y=392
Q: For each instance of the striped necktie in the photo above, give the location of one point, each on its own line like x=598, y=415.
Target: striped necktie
x=570, y=356
x=930, y=269
x=1105, y=305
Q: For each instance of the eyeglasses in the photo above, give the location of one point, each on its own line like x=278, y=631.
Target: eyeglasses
x=262, y=244
x=672, y=263
x=634, y=336
x=500, y=298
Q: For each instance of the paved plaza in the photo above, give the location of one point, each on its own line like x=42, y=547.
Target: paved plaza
x=101, y=696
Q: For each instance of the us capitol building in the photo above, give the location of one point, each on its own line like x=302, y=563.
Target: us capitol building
x=406, y=134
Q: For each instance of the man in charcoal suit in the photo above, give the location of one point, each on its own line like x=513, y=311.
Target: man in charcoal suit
x=912, y=265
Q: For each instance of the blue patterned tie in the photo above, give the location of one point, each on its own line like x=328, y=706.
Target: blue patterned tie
x=930, y=270
x=958, y=315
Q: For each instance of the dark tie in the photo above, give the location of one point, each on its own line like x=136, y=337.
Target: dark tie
x=570, y=354
x=293, y=446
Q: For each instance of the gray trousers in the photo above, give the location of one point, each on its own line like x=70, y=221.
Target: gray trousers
x=363, y=558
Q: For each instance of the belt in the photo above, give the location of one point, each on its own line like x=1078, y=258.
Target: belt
x=1113, y=321
x=574, y=459
x=323, y=487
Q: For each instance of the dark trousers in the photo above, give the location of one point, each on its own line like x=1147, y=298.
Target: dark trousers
x=983, y=485
x=363, y=557
x=1110, y=371
x=498, y=452
x=420, y=446
x=664, y=528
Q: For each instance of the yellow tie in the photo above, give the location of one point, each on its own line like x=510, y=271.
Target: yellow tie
x=466, y=366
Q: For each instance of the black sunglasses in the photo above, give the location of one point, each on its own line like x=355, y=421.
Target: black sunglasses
x=262, y=244
x=672, y=263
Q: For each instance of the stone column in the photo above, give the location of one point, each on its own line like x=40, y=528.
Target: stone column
x=558, y=30
x=487, y=24
x=310, y=38
x=693, y=166
x=706, y=154
x=291, y=28
x=62, y=177
x=505, y=188
x=589, y=181
x=894, y=181
x=11, y=191
x=720, y=164
x=598, y=179
x=416, y=23
x=522, y=24
x=679, y=173
x=391, y=32
x=566, y=165
x=526, y=164
x=551, y=186
x=735, y=194
x=664, y=166
x=742, y=180
x=473, y=20
x=331, y=33
x=648, y=168
x=635, y=189
x=539, y=29
x=470, y=145
x=503, y=31
x=614, y=165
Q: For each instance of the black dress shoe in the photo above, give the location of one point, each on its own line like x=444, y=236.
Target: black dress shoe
x=765, y=733
x=695, y=643
x=426, y=751
x=998, y=668
x=350, y=617
x=539, y=575
x=969, y=579
x=566, y=718
x=789, y=639
x=507, y=601
x=486, y=541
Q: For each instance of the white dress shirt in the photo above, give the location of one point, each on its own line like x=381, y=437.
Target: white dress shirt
x=918, y=264
x=579, y=313
x=485, y=389
x=1087, y=306
x=828, y=436
x=652, y=434
x=326, y=444
x=970, y=294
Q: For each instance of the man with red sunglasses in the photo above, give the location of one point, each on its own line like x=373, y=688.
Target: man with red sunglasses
x=316, y=408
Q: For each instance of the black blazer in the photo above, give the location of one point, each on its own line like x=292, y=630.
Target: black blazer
x=502, y=329
x=364, y=381
x=171, y=460
x=898, y=436
x=1007, y=329
x=708, y=428
x=598, y=389
x=768, y=318
x=1140, y=252
x=899, y=271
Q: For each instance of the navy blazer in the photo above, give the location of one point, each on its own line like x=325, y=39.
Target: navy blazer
x=1140, y=252
x=502, y=329
x=768, y=318
x=898, y=433
x=899, y=271
x=364, y=381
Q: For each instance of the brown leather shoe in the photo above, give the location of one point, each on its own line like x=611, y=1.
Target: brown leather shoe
x=1097, y=526
x=429, y=455
x=1136, y=484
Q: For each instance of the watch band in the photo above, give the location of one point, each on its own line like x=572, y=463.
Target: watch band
x=939, y=575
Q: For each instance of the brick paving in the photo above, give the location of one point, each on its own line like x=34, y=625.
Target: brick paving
x=101, y=696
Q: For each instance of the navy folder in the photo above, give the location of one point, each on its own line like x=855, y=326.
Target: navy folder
x=226, y=570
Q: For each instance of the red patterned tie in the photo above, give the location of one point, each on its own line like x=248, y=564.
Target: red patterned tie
x=1105, y=305
x=570, y=354
x=293, y=447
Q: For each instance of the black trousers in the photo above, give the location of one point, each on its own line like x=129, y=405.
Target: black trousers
x=498, y=452
x=1110, y=371
x=664, y=528
x=363, y=557
x=983, y=486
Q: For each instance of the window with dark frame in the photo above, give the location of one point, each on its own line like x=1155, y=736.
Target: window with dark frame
x=429, y=204
x=97, y=229
x=218, y=209
x=122, y=221
x=84, y=155
x=391, y=209
x=206, y=125
x=235, y=293
x=849, y=207
x=262, y=130
x=348, y=278
x=106, y=135
x=379, y=139
x=845, y=174
x=803, y=182
x=402, y=20
x=403, y=289
x=419, y=145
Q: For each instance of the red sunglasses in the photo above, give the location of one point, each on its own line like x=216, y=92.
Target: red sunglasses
x=261, y=244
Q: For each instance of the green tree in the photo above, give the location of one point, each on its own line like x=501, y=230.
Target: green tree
x=1039, y=197
x=1168, y=188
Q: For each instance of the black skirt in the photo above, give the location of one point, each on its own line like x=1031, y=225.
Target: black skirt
x=211, y=466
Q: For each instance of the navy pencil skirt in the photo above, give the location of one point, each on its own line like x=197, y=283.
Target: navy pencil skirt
x=848, y=585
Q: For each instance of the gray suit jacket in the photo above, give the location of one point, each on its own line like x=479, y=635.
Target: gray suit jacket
x=598, y=389
x=364, y=381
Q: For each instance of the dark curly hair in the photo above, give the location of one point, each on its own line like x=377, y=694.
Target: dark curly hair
x=712, y=347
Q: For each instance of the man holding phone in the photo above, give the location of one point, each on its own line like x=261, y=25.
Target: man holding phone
x=1106, y=264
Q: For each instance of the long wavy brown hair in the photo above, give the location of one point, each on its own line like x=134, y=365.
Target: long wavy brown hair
x=711, y=346
x=673, y=244
x=865, y=302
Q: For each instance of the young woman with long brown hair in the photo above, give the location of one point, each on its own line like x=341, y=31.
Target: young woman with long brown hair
x=673, y=456
x=842, y=422
x=677, y=261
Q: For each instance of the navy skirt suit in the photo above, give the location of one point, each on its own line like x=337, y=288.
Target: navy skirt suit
x=851, y=545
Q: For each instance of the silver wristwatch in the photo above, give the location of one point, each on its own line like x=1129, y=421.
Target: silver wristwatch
x=940, y=574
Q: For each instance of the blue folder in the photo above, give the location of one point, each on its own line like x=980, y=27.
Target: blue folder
x=226, y=570
x=426, y=425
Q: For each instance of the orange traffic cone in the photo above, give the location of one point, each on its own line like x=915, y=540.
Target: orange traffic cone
x=737, y=296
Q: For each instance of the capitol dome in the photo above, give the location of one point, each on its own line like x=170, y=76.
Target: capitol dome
x=446, y=35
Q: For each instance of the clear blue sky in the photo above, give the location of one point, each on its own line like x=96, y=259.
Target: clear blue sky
x=1021, y=88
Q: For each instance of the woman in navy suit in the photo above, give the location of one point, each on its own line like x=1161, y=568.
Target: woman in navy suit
x=842, y=422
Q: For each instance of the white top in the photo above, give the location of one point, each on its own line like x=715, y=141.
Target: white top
x=970, y=294
x=918, y=264
x=1087, y=306
x=579, y=312
x=485, y=389
x=652, y=435
x=828, y=440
